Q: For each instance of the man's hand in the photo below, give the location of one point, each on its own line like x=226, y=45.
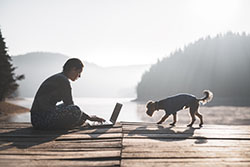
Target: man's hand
x=97, y=119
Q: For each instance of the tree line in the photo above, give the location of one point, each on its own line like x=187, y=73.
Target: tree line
x=8, y=78
x=220, y=64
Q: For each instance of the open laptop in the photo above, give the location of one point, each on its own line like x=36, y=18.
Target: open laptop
x=112, y=119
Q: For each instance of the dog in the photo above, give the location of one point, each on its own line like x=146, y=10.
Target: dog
x=178, y=102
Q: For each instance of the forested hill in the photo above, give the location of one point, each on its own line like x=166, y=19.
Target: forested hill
x=220, y=64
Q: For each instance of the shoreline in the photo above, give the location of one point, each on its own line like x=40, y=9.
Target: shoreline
x=8, y=109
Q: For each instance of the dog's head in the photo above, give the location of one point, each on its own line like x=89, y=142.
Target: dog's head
x=150, y=108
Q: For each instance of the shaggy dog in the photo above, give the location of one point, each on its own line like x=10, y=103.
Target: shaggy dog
x=178, y=102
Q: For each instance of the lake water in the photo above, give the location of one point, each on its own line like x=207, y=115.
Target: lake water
x=135, y=112
x=102, y=107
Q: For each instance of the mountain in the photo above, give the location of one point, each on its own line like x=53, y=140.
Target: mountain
x=220, y=64
x=95, y=81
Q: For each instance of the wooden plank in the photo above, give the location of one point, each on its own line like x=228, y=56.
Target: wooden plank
x=30, y=130
x=60, y=163
x=60, y=135
x=28, y=154
x=183, y=162
x=169, y=143
x=179, y=126
x=64, y=136
x=13, y=125
x=62, y=145
x=26, y=128
x=187, y=154
x=185, y=132
x=33, y=141
x=177, y=152
x=70, y=149
x=188, y=136
x=209, y=129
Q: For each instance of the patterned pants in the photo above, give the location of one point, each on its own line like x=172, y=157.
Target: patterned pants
x=64, y=117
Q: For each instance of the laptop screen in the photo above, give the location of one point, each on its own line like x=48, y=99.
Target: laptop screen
x=115, y=113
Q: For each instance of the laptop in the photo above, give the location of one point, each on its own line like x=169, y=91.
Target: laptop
x=112, y=119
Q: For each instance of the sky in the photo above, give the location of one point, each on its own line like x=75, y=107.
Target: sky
x=117, y=32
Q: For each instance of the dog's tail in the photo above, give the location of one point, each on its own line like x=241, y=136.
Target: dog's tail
x=207, y=98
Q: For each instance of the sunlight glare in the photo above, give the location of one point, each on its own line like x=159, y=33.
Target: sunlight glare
x=216, y=11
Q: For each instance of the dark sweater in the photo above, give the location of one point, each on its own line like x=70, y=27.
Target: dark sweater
x=54, y=89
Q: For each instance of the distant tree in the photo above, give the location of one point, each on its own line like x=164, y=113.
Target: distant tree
x=7, y=76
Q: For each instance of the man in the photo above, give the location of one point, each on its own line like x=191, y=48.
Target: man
x=46, y=114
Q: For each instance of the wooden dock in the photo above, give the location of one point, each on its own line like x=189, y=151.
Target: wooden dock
x=126, y=144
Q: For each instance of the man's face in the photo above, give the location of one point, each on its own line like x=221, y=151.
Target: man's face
x=74, y=74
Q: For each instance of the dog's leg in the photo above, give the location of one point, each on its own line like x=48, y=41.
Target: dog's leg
x=192, y=111
x=163, y=119
x=200, y=116
x=174, y=119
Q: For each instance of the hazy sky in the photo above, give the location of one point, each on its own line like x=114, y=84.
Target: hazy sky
x=117, y=32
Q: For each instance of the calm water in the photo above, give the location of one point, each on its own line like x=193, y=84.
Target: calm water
x=102, y=107
x=135, y=112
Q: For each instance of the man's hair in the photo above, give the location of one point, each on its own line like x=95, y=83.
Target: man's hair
x=71, y=63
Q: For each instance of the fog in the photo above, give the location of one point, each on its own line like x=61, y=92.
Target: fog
x=95, y=81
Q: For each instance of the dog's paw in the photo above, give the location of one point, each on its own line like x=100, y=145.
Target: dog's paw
x=172, y=124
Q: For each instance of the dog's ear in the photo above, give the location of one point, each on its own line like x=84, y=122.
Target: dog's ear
x=149, y=103
x=149, y=110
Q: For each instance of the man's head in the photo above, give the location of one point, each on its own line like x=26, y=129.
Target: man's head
x=151, y=108
x=73, y=68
